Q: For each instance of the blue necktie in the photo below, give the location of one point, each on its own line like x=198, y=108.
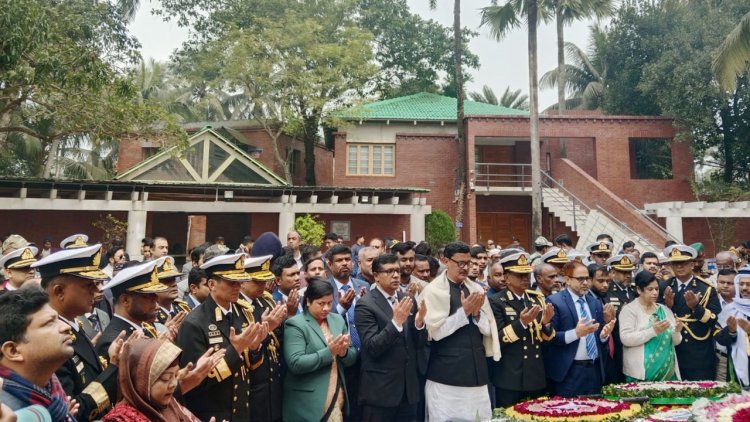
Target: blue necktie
x=590, y=340
x=350, y=319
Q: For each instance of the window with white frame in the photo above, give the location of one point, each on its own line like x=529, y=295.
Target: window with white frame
x=370, y=160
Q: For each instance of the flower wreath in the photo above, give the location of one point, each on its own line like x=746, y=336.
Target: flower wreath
x=579, y=409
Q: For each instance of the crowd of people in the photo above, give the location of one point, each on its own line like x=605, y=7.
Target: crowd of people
x=381, y=331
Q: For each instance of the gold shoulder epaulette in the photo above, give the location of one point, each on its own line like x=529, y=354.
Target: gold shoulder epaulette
x=534, y=292
x=245, y=304
x=268, y=295
x=180, y=301
x=703, y=281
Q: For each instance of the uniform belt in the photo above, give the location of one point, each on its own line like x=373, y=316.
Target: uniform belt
x=585, y=363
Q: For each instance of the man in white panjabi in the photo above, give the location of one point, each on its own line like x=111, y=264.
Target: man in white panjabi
x=462, y=330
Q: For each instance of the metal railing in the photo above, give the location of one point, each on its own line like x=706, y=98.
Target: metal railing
x=571, y=202
x=493, y=175
x=653, y=222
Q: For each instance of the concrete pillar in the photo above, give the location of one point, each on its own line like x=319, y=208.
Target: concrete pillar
x=136, y=232
x=674, y=227
x=196, y=235
x=416, y=224
x=286, y=220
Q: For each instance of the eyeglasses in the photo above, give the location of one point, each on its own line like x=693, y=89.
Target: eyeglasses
x=389, y=272
x=461, y=264
x=584, y=279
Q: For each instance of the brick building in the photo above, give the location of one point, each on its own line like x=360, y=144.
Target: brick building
x=393, y=162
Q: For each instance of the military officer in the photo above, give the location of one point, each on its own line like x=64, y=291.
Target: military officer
x=69, y=277
x=619, y=294
x=169, y=305
x=694, y=302
x=265, y=380
x=78, y=240
x=600, y=251
x=134, y=289
x=523, y=321
x=221, y=322
x=17, y=265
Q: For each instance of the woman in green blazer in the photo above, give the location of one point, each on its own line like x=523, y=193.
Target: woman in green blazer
x=316, y=348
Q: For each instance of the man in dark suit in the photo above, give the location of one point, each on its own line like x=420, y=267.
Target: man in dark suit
x=523, y=322
x=573, y=359
x=197, y=287
x=346, y=292
x=220, y=322
x=391, y=330
x=694, y=302
x=84, y=377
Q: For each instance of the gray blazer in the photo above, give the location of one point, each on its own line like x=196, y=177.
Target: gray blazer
x=88, y=328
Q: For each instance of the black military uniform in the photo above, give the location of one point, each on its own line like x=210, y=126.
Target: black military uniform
x=225, y=393
x=520, y=372
x=619, y=296
x=696, y=356
x=178, y=305
x=85, y=376
x=168, y=274
x=88, y=378
x=265, y=380
x=139, y=279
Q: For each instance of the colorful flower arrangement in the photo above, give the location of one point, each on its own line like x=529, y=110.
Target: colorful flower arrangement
x=670, y=415
x=671, y=391
x=733, y=408
x=558, y=409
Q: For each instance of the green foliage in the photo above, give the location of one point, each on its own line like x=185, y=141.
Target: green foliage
x=311, y=229
x=511, y=99
x=62, y=81
x=412, y=53
x=295, y=60
x=112, y=227
x=439, y=229
x=659, y=57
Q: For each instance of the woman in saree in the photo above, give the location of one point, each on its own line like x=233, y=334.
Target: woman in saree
x=649, y=332
x=148, y=376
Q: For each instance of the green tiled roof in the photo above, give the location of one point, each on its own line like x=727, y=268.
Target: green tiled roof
x=423, y=106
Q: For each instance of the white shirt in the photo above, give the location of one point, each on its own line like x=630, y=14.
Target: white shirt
x=340, y=309
x=387, y=296
x=196, y=301
x=571, y=336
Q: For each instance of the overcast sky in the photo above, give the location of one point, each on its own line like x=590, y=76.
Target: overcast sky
x=501, y=64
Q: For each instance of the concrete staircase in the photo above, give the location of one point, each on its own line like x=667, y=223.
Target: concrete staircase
x=589, y=222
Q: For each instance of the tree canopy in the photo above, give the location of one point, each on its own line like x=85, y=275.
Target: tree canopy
x=64, y=80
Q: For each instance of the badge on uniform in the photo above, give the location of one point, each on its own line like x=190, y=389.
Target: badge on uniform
x=214, y=335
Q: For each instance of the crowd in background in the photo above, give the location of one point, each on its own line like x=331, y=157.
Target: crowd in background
x=274, y=329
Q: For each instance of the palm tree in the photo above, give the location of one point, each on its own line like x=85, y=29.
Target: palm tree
x=566, y=12
x=733, y=55
x=459, y=78
x=501, y=20
x=585, y=75
x=511, y=99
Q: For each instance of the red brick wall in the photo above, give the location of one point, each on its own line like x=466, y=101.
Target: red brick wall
x=129, y=154
x=422, y=161
x=552, y=227
x=36, y=225
x=264, y=222
x=592, y=193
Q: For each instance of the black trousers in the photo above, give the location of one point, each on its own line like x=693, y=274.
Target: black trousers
x=404, y=412
x=351, y=375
